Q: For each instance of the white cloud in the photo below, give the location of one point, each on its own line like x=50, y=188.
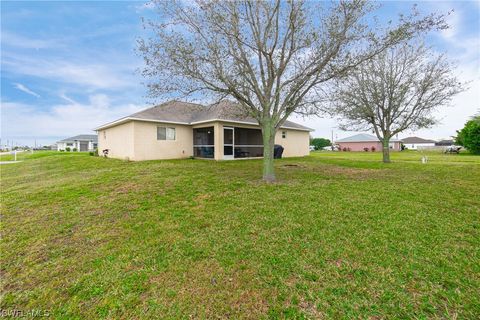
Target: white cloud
x=150, y=5
x=454, y=23
x=23, y=88
x=61, y=120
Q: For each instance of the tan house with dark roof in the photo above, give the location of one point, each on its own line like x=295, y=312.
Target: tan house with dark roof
x=176, y=130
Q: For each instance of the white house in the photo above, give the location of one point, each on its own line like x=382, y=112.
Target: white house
x=414, y=143
x=82, y=142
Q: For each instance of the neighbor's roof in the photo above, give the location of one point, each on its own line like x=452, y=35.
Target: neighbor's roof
x=445, y=142
x=416, y=140
x=81, y=137
x=179, y=112
x=363, y=137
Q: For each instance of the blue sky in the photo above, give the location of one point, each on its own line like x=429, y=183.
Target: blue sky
x=68, y=66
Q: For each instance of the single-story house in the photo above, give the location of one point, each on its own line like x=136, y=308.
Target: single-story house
x=362, y=142
x=413, y=143
x=82, y=142
x=176, y=129
x=445, y=143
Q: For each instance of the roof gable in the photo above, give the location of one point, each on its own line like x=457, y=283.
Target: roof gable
x=81, y=137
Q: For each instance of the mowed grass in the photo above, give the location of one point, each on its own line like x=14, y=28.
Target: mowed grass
x=341, y=235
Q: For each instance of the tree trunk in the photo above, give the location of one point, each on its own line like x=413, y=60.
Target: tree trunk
x=268, y=133
x=386, y=150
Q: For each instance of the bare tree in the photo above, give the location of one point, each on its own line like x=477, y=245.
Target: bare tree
x=269, y=56
x=398, y=89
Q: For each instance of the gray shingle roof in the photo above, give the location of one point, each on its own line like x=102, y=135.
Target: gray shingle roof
x=191, y=113
x=173, y=111
x=81, y=137
x=416, y=140
x=363, y=137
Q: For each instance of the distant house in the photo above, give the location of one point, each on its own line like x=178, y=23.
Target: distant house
x=445, y=143
x=363, y=142
x=413, y=143
x=82, y=142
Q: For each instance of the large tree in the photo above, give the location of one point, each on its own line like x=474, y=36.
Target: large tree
x=398, y=89
x=270, y=56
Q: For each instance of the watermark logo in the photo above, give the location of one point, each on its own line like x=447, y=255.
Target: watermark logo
x=17, y=313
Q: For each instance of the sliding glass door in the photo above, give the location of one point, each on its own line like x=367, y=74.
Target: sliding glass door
x=228, y=134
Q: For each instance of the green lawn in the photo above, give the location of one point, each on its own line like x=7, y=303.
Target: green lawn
x=341, y=235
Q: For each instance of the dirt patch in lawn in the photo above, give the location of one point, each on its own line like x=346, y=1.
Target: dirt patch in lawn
x=357, y=173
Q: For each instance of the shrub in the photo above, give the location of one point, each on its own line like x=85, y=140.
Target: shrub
x=61, y=150
x=348, y=149
x=373, y=149
x=365, y=149
x=344, y=149
x=91, y=153
x=67, y=149
x=319, y=143
x=469, y=136
x=74, y=149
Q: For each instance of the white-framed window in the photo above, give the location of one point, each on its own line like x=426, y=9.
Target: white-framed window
x=69, y=144
x=284, y=134
x=165, y=133
x=104, y=134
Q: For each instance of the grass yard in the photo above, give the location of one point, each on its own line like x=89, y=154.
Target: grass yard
x=341, y=235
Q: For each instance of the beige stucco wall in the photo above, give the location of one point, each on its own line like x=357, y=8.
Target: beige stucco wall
x=118, y=140
x=295, y=144
x=147, y=147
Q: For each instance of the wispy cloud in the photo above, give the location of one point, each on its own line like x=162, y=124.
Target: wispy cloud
x=23, y=88
x=92, y=75
x=66, y=98
x=10, y=39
